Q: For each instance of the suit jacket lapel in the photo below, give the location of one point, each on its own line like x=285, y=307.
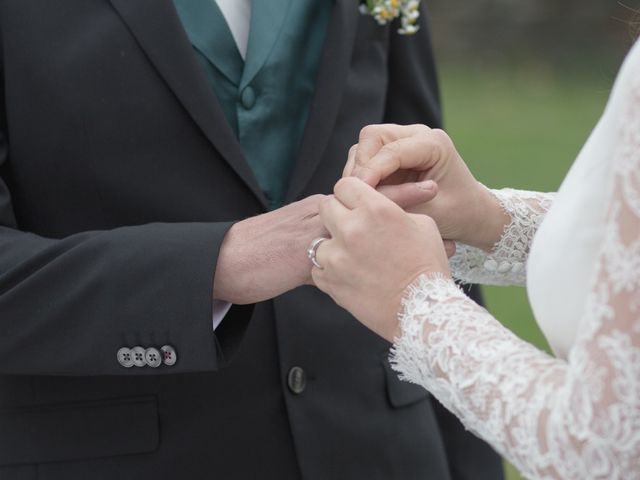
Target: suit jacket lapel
x=332, y=76
x=267, y=19
x=158, y=30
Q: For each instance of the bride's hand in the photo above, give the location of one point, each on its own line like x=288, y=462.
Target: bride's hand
x=376, y=250
x=392, y=154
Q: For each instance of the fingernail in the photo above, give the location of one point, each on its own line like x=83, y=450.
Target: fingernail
x=426, y=185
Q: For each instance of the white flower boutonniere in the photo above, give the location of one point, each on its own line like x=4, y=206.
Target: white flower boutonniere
x=384, y=11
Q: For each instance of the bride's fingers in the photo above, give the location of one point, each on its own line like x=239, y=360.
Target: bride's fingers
x=431, y=229
x=333, y=215
x=353, y=193
x=419, y=152
x=410, y=194
x=373, y=138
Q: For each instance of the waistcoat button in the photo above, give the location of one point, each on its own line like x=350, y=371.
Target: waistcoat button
x=248, y=98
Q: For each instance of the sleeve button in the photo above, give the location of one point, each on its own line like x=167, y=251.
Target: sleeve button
x=491, y=265
x=504, y=267
x=169, y=355
x=124, y=357
x=152, y=357
x=138, y=356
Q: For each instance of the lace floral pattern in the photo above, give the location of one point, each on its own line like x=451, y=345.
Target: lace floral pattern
x=573, y=419
x=506, y=264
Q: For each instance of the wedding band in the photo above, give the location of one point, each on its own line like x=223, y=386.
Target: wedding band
x=313, y=249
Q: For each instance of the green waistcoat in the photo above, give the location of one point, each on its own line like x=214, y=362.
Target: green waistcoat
x=266, y=98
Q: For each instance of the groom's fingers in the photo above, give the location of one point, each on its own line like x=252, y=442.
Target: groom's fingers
x=351, y=161
x=407, y=195
x=373, y=139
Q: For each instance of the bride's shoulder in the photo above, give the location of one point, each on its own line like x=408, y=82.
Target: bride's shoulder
x=623, y=106
x=629, y=75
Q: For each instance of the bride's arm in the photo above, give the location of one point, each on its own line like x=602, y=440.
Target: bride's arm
x=506, y=263
x=574, y=419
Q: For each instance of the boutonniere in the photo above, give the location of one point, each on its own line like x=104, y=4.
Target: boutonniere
x=384, y=11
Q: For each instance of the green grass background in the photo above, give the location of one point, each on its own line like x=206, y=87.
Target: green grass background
x=521, y=127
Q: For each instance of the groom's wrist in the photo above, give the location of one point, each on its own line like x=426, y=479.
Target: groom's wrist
x=265, y=256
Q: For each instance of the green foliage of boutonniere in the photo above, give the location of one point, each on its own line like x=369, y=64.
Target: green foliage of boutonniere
x=384, y=11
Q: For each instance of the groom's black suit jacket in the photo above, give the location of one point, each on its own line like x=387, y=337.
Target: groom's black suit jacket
x=119, y=180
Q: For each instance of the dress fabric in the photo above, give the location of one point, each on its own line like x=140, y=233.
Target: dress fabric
x=575, y=415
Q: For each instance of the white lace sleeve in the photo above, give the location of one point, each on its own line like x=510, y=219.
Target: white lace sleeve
x=573, y=419
x=506, y=264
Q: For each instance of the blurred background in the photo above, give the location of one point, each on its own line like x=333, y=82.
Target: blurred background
x=523, y=84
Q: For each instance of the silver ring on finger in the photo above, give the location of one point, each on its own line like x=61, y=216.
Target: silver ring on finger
x=313, y=250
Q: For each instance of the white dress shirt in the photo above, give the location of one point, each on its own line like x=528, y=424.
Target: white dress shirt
x=237, y=13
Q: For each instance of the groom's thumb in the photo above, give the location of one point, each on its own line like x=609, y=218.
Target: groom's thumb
x=408, y=195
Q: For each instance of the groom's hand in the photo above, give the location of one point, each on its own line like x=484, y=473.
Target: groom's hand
x=265, y=256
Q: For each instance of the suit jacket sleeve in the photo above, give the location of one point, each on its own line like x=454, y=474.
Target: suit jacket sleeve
x=67, y=305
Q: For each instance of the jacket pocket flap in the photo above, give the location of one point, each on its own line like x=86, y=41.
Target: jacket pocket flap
x=50, y=433
x=401, y=393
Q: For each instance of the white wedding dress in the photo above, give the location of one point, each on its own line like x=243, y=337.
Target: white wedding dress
x=576, y=415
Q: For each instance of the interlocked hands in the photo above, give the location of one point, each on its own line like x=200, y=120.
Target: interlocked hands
x=376, y=249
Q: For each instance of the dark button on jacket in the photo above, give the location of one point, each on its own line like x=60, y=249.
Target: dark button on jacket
x=297, y=380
